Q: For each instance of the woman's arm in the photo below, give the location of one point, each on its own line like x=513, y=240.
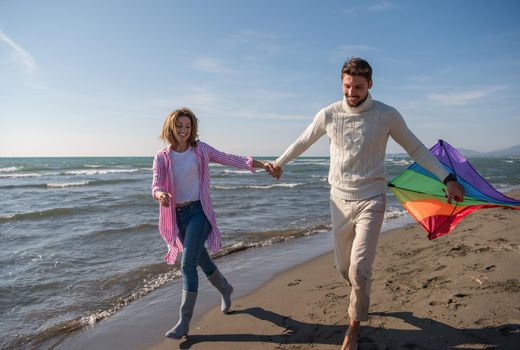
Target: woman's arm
x=259, y=164
x=158, y=191
x=233, y=160
x=158, y=175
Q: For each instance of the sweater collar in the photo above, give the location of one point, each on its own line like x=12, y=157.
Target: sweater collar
x=359, y=109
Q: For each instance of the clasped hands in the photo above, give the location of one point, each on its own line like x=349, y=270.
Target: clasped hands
x=273, y=170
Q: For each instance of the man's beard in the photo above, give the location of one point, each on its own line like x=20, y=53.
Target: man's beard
x=357, y=104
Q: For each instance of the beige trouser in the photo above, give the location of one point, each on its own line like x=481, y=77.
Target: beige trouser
x=356, y=226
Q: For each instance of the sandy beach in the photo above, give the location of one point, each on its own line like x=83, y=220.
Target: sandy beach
x=460, y=291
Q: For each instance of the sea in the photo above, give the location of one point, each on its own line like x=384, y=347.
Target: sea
x=79, y=238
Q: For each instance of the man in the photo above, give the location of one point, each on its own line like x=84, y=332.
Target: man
x=358, y=128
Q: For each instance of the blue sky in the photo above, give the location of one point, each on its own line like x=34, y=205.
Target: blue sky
x=97, y=78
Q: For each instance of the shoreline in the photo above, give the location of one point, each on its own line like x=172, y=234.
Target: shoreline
x=461, y=290
x=279, y=324
x=141, y=323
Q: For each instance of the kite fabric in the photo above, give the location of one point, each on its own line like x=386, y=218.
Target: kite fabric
x=423, y=195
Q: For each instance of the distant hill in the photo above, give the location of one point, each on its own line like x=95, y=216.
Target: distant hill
x=506, y=152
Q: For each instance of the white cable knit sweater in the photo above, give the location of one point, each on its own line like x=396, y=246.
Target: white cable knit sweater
x=358, y=138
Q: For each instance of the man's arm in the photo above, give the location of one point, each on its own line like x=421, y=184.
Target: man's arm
x=416, y=149
x=310, y=135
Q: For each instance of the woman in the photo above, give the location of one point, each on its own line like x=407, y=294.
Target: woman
x=186, y=219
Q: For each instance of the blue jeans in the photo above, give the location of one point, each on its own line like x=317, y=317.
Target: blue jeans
x=194, y=229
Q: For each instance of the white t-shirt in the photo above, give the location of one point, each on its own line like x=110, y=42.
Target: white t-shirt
x=185, y=176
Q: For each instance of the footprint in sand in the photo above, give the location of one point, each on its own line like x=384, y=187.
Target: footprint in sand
x=294, y=283
x=490, y=268
x=440, y=267
x=459, y=250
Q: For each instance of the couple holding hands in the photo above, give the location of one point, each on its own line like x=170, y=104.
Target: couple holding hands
x=358, y=128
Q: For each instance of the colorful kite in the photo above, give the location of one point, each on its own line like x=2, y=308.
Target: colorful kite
x=423, y=195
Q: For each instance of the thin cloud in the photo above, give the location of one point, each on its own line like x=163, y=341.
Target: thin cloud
x=211, y=65
x=201, y=99
x=257, y=114
x=464, y=98
x=378, y=7
x=382, y=6
x=20, y=55
x=264, y=42
x=347, y=51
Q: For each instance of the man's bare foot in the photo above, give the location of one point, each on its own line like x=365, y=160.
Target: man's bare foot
x=351, y=337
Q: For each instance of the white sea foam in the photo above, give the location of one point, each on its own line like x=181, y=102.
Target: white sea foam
x=100, y=172
x=237, y=172
x=394, y=213
x=258, y=187
x=310, y=162
x=20, y=175
x=148, y=286
x=320, y=177
x=402, y=162
x=9, y=169
x=67, y=184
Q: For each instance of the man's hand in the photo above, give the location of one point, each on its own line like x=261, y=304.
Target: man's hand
x=454, y=191
x=274, y=170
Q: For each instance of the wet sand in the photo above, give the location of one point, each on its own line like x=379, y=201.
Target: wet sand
x=459, y=291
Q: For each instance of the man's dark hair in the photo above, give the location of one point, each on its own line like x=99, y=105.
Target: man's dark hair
x=357, y=67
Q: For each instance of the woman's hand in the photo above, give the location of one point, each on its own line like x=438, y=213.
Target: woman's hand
x=259, y=164
x=163, y=198
x=274, y=170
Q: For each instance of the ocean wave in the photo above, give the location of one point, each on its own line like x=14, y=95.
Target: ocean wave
x=37, y=215
x=67, y=184
x=394, y=213
x=240, y=172
x=320, y=177
x=70, y=184
x=302, y=163
x=23, y=175
x=94, y=208
x=100, y=171
x=257, y=187
x=402, y=162
x=9, y=169
x=80, y=172
x=141, y=281
x=123, y=230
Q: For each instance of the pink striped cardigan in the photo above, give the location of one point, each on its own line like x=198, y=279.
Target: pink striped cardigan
x=163, y=181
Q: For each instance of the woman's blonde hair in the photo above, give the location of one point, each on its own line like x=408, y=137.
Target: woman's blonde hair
x=170, y=125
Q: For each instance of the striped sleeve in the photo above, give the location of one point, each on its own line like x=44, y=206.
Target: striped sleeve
x=158, y=174
x=219, y=157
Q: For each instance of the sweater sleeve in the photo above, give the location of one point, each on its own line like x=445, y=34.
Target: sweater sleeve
x=158, y=175
x=310, y=135
x=414, y=147
x=236, y=161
